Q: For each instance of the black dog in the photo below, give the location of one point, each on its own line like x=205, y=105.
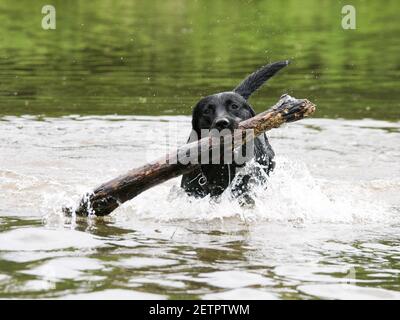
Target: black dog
x=224, y=111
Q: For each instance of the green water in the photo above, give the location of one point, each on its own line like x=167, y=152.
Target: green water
x=160, y=57
x=327, y=226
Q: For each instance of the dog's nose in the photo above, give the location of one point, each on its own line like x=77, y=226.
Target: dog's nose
x=222, y=123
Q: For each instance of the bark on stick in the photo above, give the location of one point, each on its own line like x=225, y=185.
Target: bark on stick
x=108, y=196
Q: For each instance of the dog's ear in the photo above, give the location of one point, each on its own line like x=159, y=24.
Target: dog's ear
x=252, y=111
x=195, y=124
x=257, y=78
x=196, y=116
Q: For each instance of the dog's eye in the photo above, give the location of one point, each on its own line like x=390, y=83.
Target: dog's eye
x=234, y=106
x=208, y=109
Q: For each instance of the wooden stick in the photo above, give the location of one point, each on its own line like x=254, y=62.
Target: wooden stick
x=107, y=197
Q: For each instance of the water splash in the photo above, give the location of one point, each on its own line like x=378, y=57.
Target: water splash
x=328, y=177
x=293, y=195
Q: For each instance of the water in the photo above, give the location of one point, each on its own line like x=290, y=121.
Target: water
x=327, y=227
x=159, y=58
x=96, y=97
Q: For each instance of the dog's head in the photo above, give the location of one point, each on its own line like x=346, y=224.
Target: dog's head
x=226, y=109
x=221, y=111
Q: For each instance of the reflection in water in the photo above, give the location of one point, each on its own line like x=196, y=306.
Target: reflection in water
x=155, y=58
x=138, y=264
x=326, y=227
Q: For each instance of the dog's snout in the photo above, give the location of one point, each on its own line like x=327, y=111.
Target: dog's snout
x=222, y=123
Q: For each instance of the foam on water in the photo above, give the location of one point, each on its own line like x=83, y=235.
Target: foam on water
x=326, y=226
x=293, y=195
x=48, y=164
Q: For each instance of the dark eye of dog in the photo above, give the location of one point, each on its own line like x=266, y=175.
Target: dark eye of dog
x=208, y=109
x=234, y=106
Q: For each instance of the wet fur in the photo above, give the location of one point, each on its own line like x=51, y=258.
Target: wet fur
x=224, y=111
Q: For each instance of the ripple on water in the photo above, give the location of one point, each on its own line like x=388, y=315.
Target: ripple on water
x=114, y=294
x=142, y=262
x=4, y=277
x=37, y=239
x=234, y=279
x=332, y=203
x=347, y=291
x=315, y=272
x=38, y=285
x=157, y=281
x=65, y=268
x=241, y=293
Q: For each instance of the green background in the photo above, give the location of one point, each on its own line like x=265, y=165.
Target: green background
x=160, y=57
